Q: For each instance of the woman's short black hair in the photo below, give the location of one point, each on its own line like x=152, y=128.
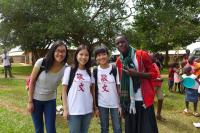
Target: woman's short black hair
x=101, y=49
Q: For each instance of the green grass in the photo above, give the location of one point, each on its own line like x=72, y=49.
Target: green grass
x=18, y=69
x=15, y=119
x=14, y=122
x=164, y=70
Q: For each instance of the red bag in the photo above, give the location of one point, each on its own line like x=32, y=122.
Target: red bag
x=28, y=80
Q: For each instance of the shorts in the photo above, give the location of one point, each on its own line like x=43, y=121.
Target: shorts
x=170, y=83
x=159, y=93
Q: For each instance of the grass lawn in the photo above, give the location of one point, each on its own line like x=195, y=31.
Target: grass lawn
x=15, y=119
x=164, y=70
x=18, y=69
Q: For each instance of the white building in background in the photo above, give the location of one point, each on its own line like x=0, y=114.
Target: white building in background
x=193, y=46
x=17, y=55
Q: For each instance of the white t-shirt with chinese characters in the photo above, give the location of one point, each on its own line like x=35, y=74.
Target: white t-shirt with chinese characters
x=6, y=60
x=107, y=91
x=79, y=98
x=196, y=86
x=47, y=83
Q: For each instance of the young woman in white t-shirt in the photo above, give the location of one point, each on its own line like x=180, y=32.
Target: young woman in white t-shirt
x=108, y=92
x=43, y=87
x=78, y=99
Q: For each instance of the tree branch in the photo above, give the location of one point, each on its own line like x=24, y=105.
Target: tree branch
x=97, y=12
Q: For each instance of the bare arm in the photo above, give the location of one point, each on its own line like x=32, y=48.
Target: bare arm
x=32, y=89
x=65, y=102
x=132, y=72
x=92, y=90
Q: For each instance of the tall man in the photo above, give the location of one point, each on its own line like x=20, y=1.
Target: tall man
x=137, y=92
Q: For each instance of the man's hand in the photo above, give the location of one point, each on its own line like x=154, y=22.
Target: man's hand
x=132, y=109
x=120, y=111
x=131, y=71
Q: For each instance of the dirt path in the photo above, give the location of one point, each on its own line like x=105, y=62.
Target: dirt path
x=15, y=77
x=14, y=108
x=164, y=75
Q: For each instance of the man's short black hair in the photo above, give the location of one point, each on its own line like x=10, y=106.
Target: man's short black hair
x=101, y=49
x=121, y=35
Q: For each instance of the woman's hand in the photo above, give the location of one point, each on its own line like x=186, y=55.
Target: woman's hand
x=96, y=112
x=120, y=111
x=30, y=107
x=66, y=114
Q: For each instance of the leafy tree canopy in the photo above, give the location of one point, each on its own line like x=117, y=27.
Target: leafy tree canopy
x=161, y=25
x=34, y=24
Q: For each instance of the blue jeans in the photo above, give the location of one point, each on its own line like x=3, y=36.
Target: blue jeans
x=79, y=123
x=48, y=110
x=104, y=118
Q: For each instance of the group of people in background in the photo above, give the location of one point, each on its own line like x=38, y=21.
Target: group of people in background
x=187, y=71
x=123, y=89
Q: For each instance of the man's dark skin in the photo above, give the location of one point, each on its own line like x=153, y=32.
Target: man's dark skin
x=122, y=45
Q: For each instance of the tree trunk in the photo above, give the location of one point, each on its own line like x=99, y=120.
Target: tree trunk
x=166, y=58
x=35, y=56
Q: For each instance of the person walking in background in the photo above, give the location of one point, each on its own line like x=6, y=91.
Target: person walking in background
x=78, y=92
x=157, y=83
x=171, y=76
x=177, y=78
x=107, y=91
x=191, y=62
x=137, y=92
x=181, y=72
x=7, y=64
x=43, y=87
x=197, y=66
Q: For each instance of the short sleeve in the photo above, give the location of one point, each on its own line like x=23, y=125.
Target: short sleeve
x=38, y=63
x=66, y=76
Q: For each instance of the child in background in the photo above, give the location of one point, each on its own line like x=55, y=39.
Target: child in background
x=171, y=76
x=197, y=66
x=157, y=83
x=177, y=78
x=107, y=91
x=191, y=94
x=181, y=72
x=78, y=98
x=197, y=71
x=191, y=62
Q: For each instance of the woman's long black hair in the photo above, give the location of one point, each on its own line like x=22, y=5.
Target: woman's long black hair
x=49, y=58
x=88, y=64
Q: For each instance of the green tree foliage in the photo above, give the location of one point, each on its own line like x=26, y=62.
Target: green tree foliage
x=161, y=25
x=34, y=24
